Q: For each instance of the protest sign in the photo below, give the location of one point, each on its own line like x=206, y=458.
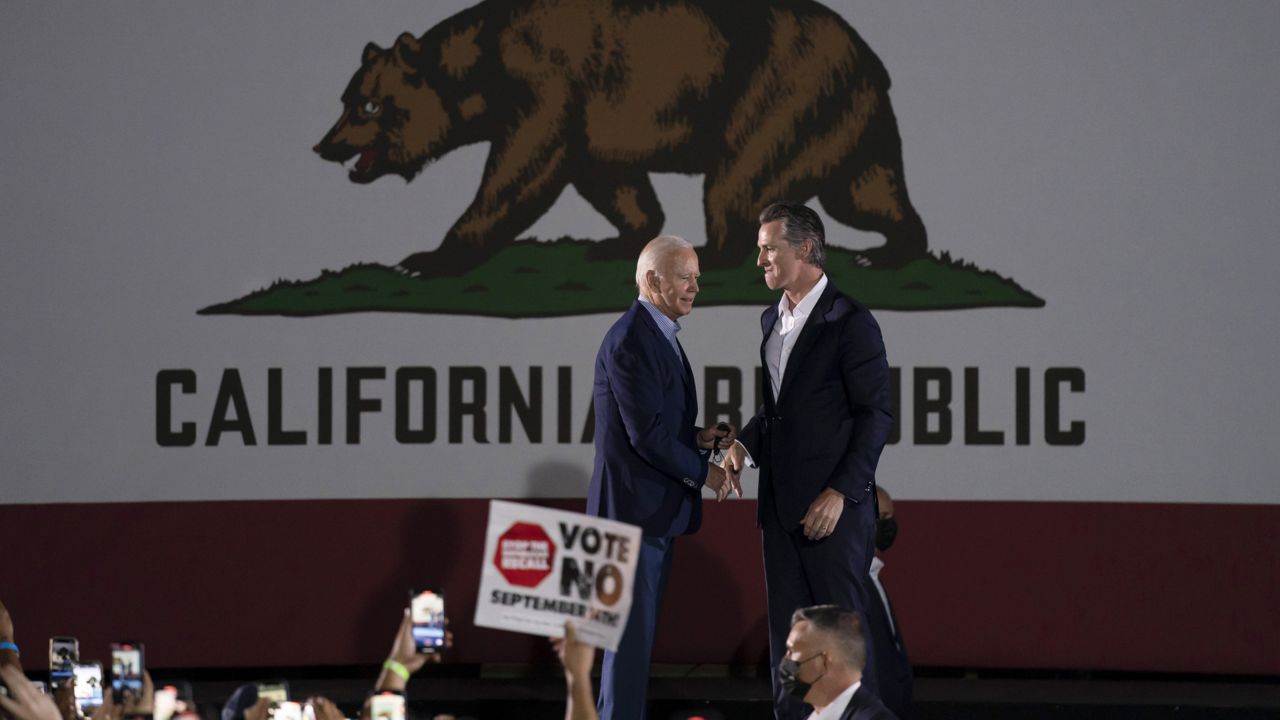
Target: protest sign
x=544, y=566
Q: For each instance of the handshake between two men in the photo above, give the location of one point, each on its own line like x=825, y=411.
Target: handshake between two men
x=726, y=477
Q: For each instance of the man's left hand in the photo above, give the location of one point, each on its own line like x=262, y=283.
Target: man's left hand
x=823, y=514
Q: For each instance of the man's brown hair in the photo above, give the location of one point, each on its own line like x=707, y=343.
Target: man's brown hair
x=799, y=223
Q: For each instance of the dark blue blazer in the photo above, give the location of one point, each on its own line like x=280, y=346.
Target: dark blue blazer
x=892, y=666
x=831, y=418
x=648, y=470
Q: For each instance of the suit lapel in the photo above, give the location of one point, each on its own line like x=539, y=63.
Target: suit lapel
x=767, y=320
x=813, y=327
x=690, y=390
x=679, y=364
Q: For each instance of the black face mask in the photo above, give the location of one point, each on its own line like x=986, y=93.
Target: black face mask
x=886, y=532
x=789, y=677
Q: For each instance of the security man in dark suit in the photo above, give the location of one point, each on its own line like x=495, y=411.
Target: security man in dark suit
x=817, y=438
x=884, y=633
x=825, y=655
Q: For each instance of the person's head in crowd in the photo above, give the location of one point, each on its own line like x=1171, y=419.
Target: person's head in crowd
x=242, y=698
x=826, y=652
x=886, y=523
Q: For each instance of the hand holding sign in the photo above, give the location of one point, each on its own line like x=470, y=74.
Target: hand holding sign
x=543, y=567
x=577, y=658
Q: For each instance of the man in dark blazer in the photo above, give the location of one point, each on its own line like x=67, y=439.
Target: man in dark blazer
x=817, y=438
x=884, y=633
x=651, y=461
x=825, y=655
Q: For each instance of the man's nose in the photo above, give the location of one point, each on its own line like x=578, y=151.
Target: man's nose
x=760, y=259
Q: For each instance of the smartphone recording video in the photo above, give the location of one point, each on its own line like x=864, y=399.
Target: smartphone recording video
x=126, y=668
x=88, y=678
x=277, y=691
x=64, y=653
x=426, y=610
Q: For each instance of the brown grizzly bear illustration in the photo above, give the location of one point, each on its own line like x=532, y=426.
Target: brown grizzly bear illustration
x=768, y=101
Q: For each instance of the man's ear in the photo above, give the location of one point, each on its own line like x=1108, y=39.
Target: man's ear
x=651, y=278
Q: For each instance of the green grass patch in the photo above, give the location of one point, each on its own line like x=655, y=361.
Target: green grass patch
x=549, y=279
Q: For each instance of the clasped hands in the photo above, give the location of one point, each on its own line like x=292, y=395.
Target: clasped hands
x=725, y=477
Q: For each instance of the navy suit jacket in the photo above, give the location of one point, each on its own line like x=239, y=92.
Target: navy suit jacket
x=648, y=470
x=831, y=418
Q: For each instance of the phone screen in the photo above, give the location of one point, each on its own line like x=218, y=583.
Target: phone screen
x=426, y=609
x=126, y=668
x=387, y=706
x=277, y=691
x=88, y=687
x=64, y=653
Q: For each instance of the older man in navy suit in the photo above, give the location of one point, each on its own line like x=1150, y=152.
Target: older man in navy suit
x=651, y=461
x=817, y=438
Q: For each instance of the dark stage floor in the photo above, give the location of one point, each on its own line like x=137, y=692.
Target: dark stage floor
x=714, y=693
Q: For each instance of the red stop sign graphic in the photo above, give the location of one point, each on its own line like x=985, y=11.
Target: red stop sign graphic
x=525, y=554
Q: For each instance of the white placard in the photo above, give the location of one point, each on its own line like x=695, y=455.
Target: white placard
x=543, y=566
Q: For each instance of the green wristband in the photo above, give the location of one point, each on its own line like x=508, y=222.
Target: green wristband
x=397, y=668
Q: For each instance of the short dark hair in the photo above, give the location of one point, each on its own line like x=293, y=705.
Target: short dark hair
x=799, y=223
x=843, y=626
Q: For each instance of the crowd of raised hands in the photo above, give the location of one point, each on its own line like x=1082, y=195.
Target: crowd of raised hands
x=23, y=699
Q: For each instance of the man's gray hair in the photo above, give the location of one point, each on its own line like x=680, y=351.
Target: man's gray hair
x=653, y=254
x=842, y=626
x=799, y=223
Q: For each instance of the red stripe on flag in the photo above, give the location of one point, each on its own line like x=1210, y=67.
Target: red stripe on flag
x=1122, y=586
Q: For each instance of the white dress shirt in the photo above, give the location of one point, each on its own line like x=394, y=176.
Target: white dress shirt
x=790, y=323
x=876, y=565
x=782, y=339
x=666, y=326
x=837, y=706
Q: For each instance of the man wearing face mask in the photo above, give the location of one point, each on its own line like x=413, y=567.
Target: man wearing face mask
x=826, y=652
x=892, y=668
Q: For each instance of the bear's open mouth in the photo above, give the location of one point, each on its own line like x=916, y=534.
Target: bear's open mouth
x=368, y=155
